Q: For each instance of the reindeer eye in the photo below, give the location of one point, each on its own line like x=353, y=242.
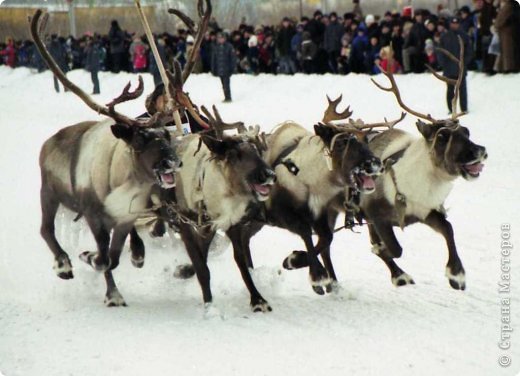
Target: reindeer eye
x=442, y=138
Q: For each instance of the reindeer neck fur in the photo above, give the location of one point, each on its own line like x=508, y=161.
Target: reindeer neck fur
x=120, y=185
x=210, y=181
x=424, y=185
x=315, y=185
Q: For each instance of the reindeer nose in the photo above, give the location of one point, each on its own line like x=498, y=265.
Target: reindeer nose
x=267, y=176
x=372, y=165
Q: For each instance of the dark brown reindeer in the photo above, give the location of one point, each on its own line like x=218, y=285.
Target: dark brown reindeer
x=104, y=171
x=419, y=175
x=334, y=165
x=223, y=179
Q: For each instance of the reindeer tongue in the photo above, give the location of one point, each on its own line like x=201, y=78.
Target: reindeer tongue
x=474, y=168
x=367, y=182
x=168, y=178
x=263, y=189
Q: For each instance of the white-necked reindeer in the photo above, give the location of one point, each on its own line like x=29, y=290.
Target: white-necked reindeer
x=104, y=171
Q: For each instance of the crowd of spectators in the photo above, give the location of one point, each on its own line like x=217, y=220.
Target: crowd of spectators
x=326, y=43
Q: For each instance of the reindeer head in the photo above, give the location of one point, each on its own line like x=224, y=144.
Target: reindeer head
x=151, y=147
x=148, y=140
x=450, y=147
x=241, y=154
x=452, y=150
x=351, y=158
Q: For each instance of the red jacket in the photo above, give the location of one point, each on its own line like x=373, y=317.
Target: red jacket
x=10, y=55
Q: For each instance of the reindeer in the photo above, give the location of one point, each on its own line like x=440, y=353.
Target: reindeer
x=104, y=171
x=223, y=180
x=317, y=174
x=419, y=175
x=419, y=178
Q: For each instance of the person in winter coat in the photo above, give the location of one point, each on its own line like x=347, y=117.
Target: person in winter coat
x=332, y=41
x=252, y=54
x=486, y=17
x=308, y=51
x=507, y=24
x=450, y=42
x=283, y=46
x=9, y=53
x=116, y=37
x=93, y=57
x=296, y=43
x=223, y=63
x=414, y=45
x=59, y=54
x=387, y=61
x=138, y=55
x=154, y=68
x=358, y=51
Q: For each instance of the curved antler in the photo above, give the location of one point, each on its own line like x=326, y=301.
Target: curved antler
x=450, y=81
x=395, y=89
x=107, y=111
x=204, y=18
x=331, y=113
x=218, y=124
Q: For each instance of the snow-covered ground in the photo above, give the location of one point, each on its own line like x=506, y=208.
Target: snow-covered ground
x=53, y=327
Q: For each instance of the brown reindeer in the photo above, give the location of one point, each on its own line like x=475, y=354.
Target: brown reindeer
x=104, y=171
x=419, y=175
x=225, y=178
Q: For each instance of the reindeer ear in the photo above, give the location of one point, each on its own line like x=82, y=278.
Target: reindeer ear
x=123, y=132
x=217, y=147
x=427, y=130
x=324, y=132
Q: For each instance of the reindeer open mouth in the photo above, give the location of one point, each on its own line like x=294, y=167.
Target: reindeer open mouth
x=363, y=177
x=263, y=190
x=165, y=173
x=472, y=169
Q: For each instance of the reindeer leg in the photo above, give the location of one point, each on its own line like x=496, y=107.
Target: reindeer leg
x=191, y=241
x=98, y=260
x=454, y=269
x=235, y=234
x=113, y=297
x=385, y=231
x=252, y=229
x=137, y=248
x=399, y=277
x=325, y=236
x=62, y=264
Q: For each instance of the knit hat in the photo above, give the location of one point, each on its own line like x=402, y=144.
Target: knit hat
x=253, y=41
x=369, y=19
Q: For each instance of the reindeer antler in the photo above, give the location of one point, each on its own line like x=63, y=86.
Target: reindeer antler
x=395, y=89
x=198, y=32
x=107, y=111
x=219, y=125
x=127, y=95
x=331, y=113
x=358, y=125
x=450, y=81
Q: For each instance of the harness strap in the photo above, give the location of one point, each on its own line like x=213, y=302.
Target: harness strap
x=288, y=163
x=400, y=199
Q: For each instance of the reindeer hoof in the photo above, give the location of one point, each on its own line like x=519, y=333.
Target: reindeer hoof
x=157, y=230
x=185, y=271
x=115, y=299
x=296, y=260
x=63, y=267
x=261, y=306
x=137, y=262
x=92, y=259
x=403, y=280
x=320, y=280
x=457, y=280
